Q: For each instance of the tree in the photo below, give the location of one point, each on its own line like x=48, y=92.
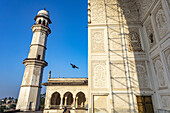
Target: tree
x=12, y=106
x=42, y=101
x=2, y=108
x=16, y=100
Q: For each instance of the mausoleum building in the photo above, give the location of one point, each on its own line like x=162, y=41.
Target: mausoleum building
x=128, y=62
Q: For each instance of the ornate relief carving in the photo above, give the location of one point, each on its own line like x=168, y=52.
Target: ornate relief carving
x=112, y=13
x=144, y=5
x=134, y=43
x=139, y=74
x=166, y=101
x=98, y=11
x=159, y=72
x=130, y=10
x=142, y=76
x=167, y=57
x=168, y=1
x=100, y=104
x=161, y=22
x=150, y=34
x=123, y=101
x=117, y=69
x=97, y=41
x=99, y=74
x=115, y=39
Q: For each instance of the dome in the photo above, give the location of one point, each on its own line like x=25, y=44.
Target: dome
x=43, y=12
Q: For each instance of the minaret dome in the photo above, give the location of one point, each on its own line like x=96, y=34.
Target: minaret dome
x=42, y=18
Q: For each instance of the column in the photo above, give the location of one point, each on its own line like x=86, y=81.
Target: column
x=73, y=106
x=65, y=102
x=76, y=102
x=61, y=102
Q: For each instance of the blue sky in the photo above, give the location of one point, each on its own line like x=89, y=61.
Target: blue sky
x=66, y=44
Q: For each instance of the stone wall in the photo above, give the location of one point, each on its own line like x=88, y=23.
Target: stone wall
x=128, y=53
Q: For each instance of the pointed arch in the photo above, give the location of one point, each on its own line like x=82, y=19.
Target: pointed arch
x=80, y=100
x=68, y=99
x=55, y=98
x=39, y=22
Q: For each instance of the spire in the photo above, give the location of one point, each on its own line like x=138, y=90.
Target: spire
x=49, y=76
x=44, y=7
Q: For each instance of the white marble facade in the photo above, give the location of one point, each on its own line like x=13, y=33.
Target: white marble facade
x=128, y=54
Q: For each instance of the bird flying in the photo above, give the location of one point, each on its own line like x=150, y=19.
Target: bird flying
x=74, y=66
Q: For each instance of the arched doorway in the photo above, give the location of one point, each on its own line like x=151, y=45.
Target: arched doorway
x=68, y=99
x=55, y=100
x=80, y=100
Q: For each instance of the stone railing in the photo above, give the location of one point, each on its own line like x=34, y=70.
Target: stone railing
x=67, y=106
x=54, y=106
x=163, y=111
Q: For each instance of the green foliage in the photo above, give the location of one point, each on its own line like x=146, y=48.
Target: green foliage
x=12, y=106
x=16, y=100
x=2, y=108
x=42, y=101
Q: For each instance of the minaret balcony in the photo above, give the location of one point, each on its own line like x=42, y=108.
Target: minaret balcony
x=35, y=61
x=41, y=28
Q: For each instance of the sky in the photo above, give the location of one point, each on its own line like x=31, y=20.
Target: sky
x=66, y=44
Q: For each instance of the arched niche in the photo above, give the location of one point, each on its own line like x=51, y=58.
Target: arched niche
x=68, y=99
x=80, y=100
x=55, y=99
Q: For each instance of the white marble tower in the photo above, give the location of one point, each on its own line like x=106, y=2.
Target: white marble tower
x=31, y=85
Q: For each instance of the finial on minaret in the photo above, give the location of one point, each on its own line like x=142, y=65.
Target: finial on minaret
x=49, y=76
x=44, y=8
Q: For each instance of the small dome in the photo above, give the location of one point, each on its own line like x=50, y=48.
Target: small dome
x=43, y=12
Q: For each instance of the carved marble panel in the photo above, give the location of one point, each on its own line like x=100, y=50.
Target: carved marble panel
x=98, y=11
x=117, y=69
x=165, y=101
x=99, y=74
x=115, y=39
x=142, y=76
x=161, y=21
x=144, y=6
x=134, y=43
x=111, y=1
x=113, y=15
x=159, y=71
x=130, y=10
x=168, y=2
x=97, y=41
x=150, y=34
x=119, y=83
x=123, y=101
x=167, y=58
x=100, y=104
x=139, y=74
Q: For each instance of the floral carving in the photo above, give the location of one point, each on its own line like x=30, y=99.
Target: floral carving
x=167, y=57
x=166, y=101
x=97, y=11
x=142, y=77
x=134, y=42
x=99, y=74
x=161, y=22
x=97, y=41
x=160, y=73
x=144, y=5
x=130, y=10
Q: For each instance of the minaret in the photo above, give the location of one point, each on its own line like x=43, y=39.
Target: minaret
x=29, y=95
